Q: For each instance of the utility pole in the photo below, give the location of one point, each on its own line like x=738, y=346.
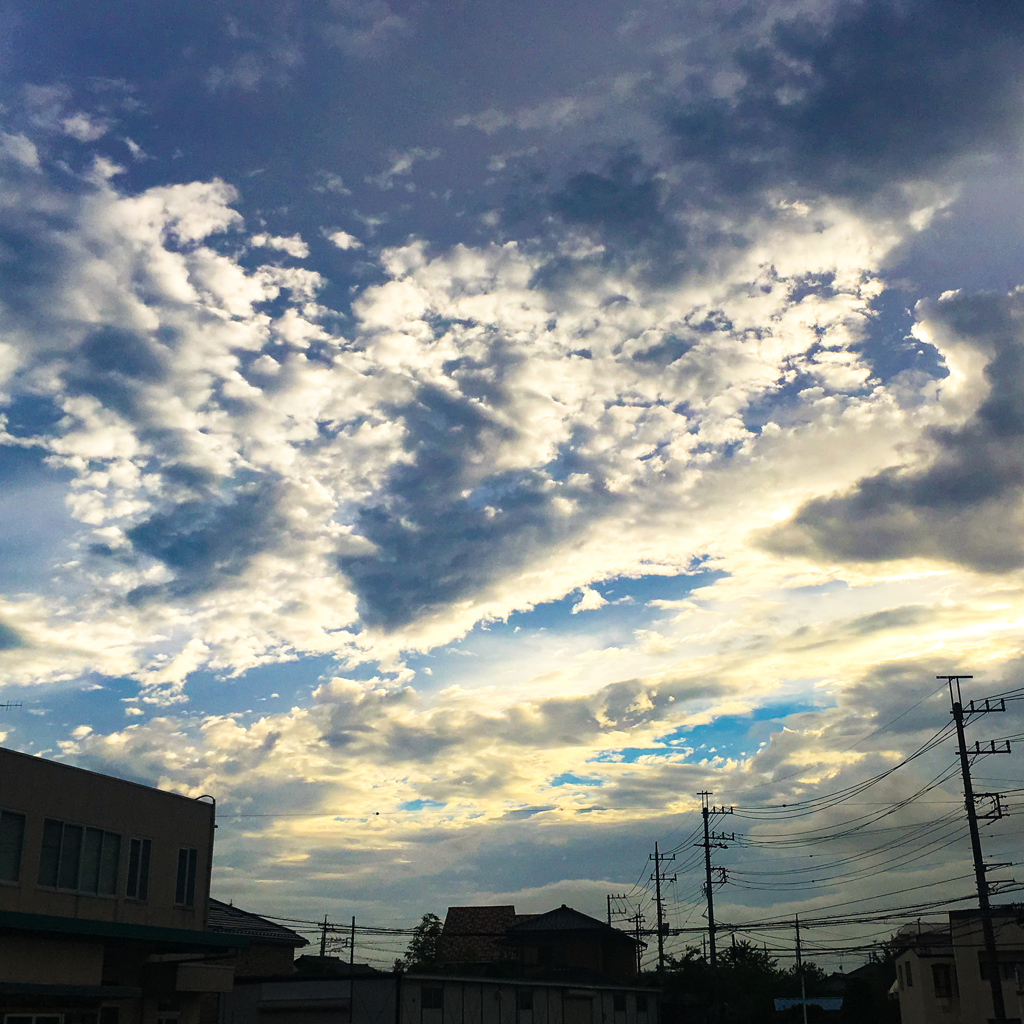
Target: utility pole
x=638, y=921
x=658, y=878
x=323, y=937
x=620, y=914
x=984, y=907
x=800, y=970
x=352, y=944
x=716, y=841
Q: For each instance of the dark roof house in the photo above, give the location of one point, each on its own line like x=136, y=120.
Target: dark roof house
x=496, y=940
x=271, y=947
x=565, y=940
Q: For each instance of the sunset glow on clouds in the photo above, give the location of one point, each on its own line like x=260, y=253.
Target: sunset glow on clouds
x=454, y=440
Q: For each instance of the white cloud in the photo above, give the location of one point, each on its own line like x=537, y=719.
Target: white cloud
x=363, y=28
x=343, y=240
x=551, y=115
x=590, y=600
x=84, y=128
x=291, y=244
x=20, y=149
x=401, y=166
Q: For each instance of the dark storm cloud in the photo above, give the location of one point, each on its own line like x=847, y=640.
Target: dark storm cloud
x=887, y=92
x=965, y=507
x=436, y=544
x=208, y=543
x=9, y=639
x=624, y=201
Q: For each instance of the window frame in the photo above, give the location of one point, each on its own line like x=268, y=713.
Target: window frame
x=946, y=988
x=70, y=869
x=20, y=855
x=436, y=996
x=137, y=889
x=185, y=887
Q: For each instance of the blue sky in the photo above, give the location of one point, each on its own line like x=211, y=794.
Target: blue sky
x=492, y=426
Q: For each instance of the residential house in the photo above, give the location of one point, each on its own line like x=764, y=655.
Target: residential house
x=271, y=947
x=495, y=940
x=942, y=972
x=565, y=939
x=473, y=939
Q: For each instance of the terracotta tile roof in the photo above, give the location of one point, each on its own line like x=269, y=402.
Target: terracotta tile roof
x=476, y=934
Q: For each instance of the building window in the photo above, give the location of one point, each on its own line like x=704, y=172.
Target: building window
x=641, y=1002
x=433, y=997
x=909, y=976
x=185, y=885
x=12, y=834
x=79, y=859
x=138, y=870
x=899, y=974
x=944, y=979
x=619, y=1002
x=1007, y=971
x=524, y=999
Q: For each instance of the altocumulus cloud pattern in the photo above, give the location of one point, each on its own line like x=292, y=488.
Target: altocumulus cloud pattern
x=507, y=422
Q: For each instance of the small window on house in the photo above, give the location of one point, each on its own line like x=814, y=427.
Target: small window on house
x=433, y=997
x=910, y=977
x=185, y=885
x=942, y=978
x=137, y=887
x=619, y=1002
x=641, y=1002
x=12, y=835
x=524, y=998
x=899, y=975
x=79, y=859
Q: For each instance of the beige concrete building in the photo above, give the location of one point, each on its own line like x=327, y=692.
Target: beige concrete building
x=942, y=974
x=104, y=895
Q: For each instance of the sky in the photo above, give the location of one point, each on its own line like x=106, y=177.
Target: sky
x=455, y=434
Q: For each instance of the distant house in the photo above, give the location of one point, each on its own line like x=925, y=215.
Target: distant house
x=495, y=940
x=271, y=949
x=566, y=939
x=473, y=938
x=104, y=895
x=942, y=973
